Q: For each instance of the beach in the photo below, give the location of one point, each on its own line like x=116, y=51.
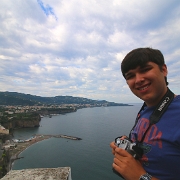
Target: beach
x=21, y=146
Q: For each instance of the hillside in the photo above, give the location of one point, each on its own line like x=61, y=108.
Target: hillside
x=15, y=98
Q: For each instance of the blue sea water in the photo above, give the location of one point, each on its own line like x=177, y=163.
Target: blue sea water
x=89, y=158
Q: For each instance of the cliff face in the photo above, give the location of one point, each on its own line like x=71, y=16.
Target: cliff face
x=32, y=119
x=27, y=124
x=23, y=123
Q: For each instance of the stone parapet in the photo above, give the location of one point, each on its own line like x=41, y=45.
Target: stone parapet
x=60, y=173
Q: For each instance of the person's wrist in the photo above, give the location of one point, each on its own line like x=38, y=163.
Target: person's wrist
x=145, y=176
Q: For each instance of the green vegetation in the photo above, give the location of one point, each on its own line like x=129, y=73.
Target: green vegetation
x=14, y=98
x=18, y=116
x=4, y=160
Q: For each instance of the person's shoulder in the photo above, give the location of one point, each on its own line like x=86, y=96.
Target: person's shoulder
x=177, y=98
x=176, y=101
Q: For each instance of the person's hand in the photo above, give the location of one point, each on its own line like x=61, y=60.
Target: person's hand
x=125, y=164
x=113, y=146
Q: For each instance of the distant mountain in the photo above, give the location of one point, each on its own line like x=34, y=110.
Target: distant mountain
x=15, y=98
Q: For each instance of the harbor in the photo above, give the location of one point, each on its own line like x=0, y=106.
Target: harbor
x=19, y=145
x=39, y=137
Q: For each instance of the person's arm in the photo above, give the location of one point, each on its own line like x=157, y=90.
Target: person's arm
x=125, y=164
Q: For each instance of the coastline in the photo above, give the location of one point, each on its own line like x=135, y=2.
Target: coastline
x=21, y=146
x=14, y=153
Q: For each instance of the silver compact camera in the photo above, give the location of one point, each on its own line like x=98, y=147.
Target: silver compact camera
x=130, y=147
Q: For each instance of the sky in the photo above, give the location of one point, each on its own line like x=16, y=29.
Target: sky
x=75, y=47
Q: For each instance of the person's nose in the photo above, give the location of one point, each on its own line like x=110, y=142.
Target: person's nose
x=139, y=78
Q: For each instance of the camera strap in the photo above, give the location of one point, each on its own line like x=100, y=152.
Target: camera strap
x=157, y=113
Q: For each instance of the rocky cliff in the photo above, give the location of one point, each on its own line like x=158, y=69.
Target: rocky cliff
x=32, y=119
x=23, y=122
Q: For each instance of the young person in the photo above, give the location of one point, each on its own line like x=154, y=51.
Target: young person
x=157, y=127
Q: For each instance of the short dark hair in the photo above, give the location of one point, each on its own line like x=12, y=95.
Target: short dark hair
x=140, y=57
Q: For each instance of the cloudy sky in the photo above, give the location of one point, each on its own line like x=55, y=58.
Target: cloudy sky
x=75, y=47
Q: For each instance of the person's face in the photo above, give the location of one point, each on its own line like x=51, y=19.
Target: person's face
x=148, y=82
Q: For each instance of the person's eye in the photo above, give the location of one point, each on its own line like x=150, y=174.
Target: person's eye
x=129, y=76
x=146, y=69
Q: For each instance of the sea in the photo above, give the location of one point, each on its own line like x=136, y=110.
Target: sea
x=89, y=158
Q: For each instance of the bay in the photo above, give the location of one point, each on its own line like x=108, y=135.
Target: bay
x=89, y=158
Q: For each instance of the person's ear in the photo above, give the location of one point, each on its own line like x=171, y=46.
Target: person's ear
x=164, y=70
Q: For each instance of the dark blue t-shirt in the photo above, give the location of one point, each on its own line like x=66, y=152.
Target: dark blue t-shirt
x=161, y=145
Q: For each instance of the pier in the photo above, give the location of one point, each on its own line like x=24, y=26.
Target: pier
x=67, y=137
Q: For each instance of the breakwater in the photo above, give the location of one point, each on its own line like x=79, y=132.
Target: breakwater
x=67, y=137
x=60, y=136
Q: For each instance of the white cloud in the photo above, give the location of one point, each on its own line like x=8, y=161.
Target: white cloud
x=76, y=47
